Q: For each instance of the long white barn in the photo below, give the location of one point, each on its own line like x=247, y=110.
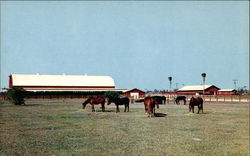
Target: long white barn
x=39, y=82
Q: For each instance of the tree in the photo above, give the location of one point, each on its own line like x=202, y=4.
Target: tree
x=16, y=95
x=204, y=77
x=111, y=94
x=170, y=80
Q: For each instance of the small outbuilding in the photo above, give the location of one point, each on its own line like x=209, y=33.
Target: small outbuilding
x=134, y=93
x=227, y=92
x=198, y=89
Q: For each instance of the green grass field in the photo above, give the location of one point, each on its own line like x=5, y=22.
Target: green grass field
x=61, y=127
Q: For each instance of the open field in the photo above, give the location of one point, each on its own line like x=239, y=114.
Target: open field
x=61, y=127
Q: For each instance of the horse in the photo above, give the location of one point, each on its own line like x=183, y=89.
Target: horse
x=149, y=103
x=120, y=101
x=179, y=98
x=160, y=99
x=196, y=102
x=94, y=101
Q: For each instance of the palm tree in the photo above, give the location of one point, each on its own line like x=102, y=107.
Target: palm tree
x=170, y=79
x=204, y=77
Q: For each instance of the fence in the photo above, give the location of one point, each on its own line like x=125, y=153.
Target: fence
x=217, y=98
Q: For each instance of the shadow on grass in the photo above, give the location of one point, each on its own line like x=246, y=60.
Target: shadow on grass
x=160, y=115
x=106, y=111
x=27, y=105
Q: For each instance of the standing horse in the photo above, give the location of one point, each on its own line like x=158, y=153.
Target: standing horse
x=160, y=99
x=94, y=101
x=179, y=98
x=120, y=101
x=149, y=103
x=196, y=102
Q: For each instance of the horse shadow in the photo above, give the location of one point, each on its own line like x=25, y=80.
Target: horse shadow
x=28, y=105
x=160, y=115
x=106, y=111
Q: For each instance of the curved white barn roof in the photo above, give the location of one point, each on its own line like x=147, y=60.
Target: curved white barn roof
x=197, y=87
x=38, y=80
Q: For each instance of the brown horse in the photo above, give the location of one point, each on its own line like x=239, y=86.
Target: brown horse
x=120, y=101
x=196, y=102
x=149, y=103
x=94, y=101
x=179, y=98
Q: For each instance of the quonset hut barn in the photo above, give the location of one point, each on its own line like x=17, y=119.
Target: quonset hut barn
x=62, y=85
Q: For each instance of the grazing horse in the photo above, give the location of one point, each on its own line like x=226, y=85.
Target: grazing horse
x=149, y=103
x=94, y=101
x=160, y=99
x=179, y=98
x=120, y=101
x=196, y=102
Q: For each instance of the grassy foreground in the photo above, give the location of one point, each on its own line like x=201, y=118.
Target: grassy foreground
x=58, y=127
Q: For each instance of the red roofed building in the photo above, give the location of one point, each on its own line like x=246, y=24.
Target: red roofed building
x=134, y=93
x=198, y=89
x=227, y=92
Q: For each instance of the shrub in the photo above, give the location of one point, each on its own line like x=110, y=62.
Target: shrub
x=16, y=95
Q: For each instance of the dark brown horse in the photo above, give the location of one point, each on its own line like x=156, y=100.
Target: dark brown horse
x=149, y=103
x=160, y=99
x=179, y=98
x=94, y=101
x=196, y=102
x=120, y=101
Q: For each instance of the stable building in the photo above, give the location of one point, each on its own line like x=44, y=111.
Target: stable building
x=63, y=84
x=227, y=92
x=134, y=93
x=198, y=89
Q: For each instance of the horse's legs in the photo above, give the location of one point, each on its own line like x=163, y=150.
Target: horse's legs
x=126, y=108
x=189, y=108
x=184, y=102
x=103, y=107
x=117, y=108
x=93, y=107
x=192, y=109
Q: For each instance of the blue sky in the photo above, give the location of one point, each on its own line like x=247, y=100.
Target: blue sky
x=138, y=43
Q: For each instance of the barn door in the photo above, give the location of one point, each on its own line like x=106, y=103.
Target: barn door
x=134, y=95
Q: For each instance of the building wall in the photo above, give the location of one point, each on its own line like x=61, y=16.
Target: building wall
x=212, y=89
x=226, y=93
x=128, y=94
x=193, y=92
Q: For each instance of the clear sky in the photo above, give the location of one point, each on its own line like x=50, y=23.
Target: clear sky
x=138, y=43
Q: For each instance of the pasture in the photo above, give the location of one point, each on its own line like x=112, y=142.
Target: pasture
x=62, y=127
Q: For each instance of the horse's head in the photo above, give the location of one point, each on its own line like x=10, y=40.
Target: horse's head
x=192, y=100
x=109, y=101
x=157, y=104
x=85, y=103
